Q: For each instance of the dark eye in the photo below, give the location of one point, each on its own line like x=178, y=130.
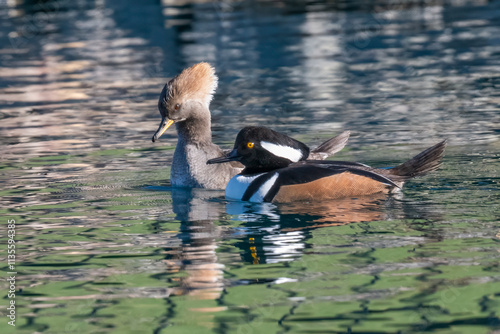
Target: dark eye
x=177, y=106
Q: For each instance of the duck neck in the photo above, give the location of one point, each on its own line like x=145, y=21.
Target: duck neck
x=196, y=130
x=270, y=164
x=248, y=171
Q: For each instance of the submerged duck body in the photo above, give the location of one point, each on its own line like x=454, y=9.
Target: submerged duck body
x=184, y=101
x=273, y=175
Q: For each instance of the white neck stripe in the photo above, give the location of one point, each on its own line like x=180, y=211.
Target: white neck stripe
x=282, y=151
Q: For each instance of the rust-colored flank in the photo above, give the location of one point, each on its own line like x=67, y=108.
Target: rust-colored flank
x=332, y=187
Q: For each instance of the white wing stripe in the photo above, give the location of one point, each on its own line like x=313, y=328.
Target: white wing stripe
x=282, y=151
x=259, y=195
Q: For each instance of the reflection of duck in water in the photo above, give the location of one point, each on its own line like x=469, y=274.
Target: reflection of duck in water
x=275, y=233
x=315, y=214
x=341, y=211
x=185, y=101
x=276, y=170
x=195, y=257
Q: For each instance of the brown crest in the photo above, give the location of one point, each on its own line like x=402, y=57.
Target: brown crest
x=197, y=82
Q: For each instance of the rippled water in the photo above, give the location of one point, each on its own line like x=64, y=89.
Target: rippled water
x=104, y=244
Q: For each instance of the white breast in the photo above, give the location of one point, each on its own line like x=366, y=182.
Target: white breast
x=238, y=185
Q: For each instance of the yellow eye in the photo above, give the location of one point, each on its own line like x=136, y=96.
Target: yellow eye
x=250, y=144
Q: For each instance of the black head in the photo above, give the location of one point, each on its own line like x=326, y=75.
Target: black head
x=262, y=149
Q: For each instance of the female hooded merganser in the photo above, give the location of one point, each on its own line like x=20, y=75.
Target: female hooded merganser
x=275, y=171
x=185, y=101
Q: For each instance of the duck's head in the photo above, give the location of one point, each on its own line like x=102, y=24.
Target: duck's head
x=262, y=149
x=187, y=96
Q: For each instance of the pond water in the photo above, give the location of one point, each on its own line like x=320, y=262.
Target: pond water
x=105, y=245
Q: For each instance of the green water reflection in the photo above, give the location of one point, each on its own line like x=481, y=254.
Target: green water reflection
x=133, y=256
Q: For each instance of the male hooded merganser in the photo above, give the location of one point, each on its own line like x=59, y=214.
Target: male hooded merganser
x=275, y=171
x=185, y=101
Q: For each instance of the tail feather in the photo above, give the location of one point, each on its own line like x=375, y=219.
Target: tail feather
x=421, y=164
x=330, y=147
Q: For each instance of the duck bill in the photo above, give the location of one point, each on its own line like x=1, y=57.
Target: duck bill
x=232, y=156
x=164, y=125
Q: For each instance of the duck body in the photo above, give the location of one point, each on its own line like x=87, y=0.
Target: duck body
x=184, y=101
x=308, y=181
x=265, y=180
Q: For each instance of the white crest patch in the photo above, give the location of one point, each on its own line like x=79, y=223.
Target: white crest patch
x=282, y=151
x=212, y=89
x=259, y=195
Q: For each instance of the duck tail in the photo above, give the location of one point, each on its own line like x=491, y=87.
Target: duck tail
x=330, y=147
x=421, y=164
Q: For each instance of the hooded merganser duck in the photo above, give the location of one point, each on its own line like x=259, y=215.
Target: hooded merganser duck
x=185, y=101
x=275, y=172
